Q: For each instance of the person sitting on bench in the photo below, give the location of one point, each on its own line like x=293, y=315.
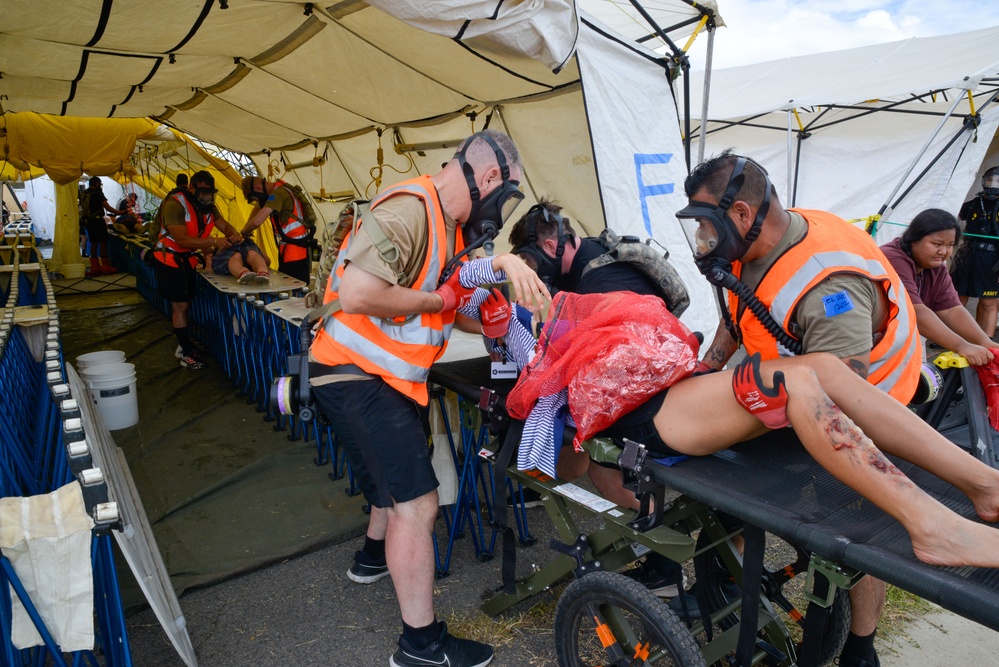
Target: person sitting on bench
x=245, y=261
x=843, y=421
x=920, y=257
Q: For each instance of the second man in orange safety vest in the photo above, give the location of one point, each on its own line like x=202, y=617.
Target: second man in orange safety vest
x=801, y=281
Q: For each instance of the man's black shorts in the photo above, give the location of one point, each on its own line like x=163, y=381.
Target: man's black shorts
x=175, y=285
x=298, y=269
x=97, y=231
x=384, y=436
x=974, y=272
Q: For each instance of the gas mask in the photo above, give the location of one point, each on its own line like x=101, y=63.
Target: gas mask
x=549, y=269
x=204, y=197
x=257, y=197
x=990, y=183
x=712, y=234
x=488, y=213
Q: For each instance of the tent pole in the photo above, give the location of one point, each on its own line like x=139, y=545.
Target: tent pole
x=939, y=155
x=790, y=157
x=705, y=94
x=797, y=167
x=885, y=208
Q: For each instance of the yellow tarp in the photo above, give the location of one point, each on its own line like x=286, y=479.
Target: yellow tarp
x=68, y=147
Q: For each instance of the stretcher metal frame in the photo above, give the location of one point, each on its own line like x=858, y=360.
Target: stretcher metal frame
x=838, y=536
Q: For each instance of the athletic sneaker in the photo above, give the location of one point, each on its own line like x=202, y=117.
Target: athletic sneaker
x=448, y=651
x=663, y=585
x=192, y=362
x=197, y=354
x=365, y=570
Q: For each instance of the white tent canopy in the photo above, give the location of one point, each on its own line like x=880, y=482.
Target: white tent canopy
x=348, y=98
x=852, y=123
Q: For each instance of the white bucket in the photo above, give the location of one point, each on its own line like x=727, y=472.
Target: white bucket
x=91, y=359
x=112, y=386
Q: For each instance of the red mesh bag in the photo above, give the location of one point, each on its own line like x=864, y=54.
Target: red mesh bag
x=613, y=351
x=989, y=375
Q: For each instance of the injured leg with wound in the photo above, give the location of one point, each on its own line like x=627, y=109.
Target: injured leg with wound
x=939, y=536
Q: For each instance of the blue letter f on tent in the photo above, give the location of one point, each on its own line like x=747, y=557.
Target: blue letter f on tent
x=646, y=191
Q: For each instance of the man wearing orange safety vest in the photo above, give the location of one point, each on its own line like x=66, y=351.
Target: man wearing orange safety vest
x=188, y=221
x=372, y=356
x=277, y=203
x=801, y=281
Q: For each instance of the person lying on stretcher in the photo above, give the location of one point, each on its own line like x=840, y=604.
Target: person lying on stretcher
x=618, y=353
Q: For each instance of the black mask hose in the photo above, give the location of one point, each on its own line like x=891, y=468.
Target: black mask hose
x=486, y=238
x=721, y=278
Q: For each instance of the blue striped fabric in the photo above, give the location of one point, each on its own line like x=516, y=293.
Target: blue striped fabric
x=542, y=438
x=479, y=272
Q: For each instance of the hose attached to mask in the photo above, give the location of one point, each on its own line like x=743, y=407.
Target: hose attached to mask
x=721, y=278
x=485, y=240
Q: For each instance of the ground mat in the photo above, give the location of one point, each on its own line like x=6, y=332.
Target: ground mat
x=224, y=492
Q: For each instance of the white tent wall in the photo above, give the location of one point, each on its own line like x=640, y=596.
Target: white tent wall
x=855, y=157
x=640, y=157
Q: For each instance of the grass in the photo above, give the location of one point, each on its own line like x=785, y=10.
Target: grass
x=901, y=608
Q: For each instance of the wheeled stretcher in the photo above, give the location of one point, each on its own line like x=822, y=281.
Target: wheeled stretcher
x=769, y=485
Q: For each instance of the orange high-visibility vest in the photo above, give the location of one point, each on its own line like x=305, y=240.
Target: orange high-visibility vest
x=292, y=228
x=400, y=350
x=833, y=246
x=167, y=246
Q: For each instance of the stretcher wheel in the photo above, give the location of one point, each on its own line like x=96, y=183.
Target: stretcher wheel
x=605, y=618
x=837, y=628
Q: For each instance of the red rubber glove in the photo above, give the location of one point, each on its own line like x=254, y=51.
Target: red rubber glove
x=495, y=313
x=454, y=294
x=769, y=405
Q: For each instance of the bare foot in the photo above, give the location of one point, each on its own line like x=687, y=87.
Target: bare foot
x=985, y=498
x=961, y=543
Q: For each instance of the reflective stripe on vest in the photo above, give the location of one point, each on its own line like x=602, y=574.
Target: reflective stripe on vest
x=401, y=351
x=167, y=246
x=293, y=227
x=896, y=358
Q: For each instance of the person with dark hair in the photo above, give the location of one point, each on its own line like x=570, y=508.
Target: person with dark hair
x=275, y=202
x=801, y=281
x=559, y=255
x=182, y=181
x=394, y=295
x=129, y=217
x=920, y=257
x=844, y=422
x=95, y=204
x=188, y=222
x=976, y=267
x=547, y=243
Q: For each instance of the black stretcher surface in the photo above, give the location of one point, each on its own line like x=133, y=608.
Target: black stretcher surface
x=773, y=483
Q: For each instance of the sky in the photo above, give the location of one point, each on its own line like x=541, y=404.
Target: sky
x=760, y=30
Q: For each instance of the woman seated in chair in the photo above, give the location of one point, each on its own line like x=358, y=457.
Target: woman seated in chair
x=920, y=257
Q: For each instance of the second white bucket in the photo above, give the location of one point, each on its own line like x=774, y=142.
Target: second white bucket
x=112, y=386
x=101, y=357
